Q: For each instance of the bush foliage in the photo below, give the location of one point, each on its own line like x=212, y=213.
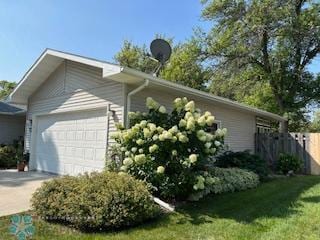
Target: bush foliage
x=171, y=151
x=244, y=160
x=11, y=154
x=288, y=162
x=98, y=200
x=228, y=180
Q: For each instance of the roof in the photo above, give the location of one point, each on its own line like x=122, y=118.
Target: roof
x=50, y=59
x=8, y=109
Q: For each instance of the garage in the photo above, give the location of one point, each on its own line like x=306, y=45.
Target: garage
x=71, y=143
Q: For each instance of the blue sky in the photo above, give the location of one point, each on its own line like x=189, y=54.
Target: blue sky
x=94, y=28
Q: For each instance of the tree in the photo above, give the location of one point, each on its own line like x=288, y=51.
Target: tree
x=315, y=124
x=6, y=88
x=268, y=42
x=184, y=66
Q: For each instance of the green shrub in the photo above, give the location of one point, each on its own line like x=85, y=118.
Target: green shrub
x=170, y=150
x=95, y=201
x=8, y=157
x=288, y=162
x=11, y=154
x=227, y=180
x=243, y=160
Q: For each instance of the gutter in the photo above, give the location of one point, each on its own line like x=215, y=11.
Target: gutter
x=130, y=94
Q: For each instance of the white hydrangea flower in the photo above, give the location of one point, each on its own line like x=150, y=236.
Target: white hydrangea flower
x=162, y=109
x=202, y=121
x=207, y=114
x=196, y=116
x=152, y=127
x=143, y=123
x=188, y=115
x=173, y=130
x=162, y=137
x=185, y=100
x=160, y=129
x=115, y=135
x=225, y=130
x=155, y=137
x=221, y=132
x=167, y=135
x=190, y=106
x=127, y=161
x=127, y=153
x=193, y=158
x=209, y=137
x=217, y=143
x=174, y=139
x=183, y=138
x=190, y=124
x=140, y=150
x=152, y=104
x=182, y=123
x=146, y=133
x=153, y=148
x=208, y=145
x=174, y=152
x=140, y=141
x=160, y=169
x=178, y=104
x=140, y=158
x=210, y=120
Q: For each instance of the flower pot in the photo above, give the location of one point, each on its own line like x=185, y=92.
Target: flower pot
x=21, y=165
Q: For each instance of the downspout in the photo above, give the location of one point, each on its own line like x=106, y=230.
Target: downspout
x=130, y=94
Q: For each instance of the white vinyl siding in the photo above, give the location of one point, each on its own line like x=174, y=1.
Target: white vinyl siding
x=76, y=95
x=11, y=128
x=240, y=125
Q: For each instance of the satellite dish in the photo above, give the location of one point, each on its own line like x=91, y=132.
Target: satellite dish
x=161, y=50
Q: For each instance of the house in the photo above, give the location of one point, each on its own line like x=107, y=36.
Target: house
x=12, y=122
x=73, y=103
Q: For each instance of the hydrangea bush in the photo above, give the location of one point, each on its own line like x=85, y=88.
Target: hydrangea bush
x=171, y=151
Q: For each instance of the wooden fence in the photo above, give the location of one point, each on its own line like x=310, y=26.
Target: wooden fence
x=306, y=146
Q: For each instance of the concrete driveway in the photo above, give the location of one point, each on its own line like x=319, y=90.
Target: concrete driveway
x=16, y=189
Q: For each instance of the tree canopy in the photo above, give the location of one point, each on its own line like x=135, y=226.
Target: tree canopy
x=267, y=43
x=6, y=88
x=315, y=124
x=256, y=52
x=184, y=66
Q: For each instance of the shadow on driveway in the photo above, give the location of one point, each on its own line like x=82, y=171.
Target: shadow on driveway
x=16, y=189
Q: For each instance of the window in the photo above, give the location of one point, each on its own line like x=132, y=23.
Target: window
x=215, y=126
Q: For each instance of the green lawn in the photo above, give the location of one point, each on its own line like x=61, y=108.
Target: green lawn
x=281, y=209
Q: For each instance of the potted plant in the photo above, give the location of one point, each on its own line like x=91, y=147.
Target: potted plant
x=21, y=157
x=21, y=165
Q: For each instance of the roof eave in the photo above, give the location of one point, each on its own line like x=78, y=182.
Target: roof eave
x=172, y=85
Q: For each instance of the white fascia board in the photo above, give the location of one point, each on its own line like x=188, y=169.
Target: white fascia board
x=201, y=94
x=107, y=67
x=26, y=75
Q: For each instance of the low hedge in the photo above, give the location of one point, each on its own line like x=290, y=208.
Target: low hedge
x=244, y=160
x=95, y=201
x=227, y=180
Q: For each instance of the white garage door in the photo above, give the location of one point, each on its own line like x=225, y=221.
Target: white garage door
x=71, y=143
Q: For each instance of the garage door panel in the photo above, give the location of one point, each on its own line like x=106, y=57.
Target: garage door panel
x=71, y=143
